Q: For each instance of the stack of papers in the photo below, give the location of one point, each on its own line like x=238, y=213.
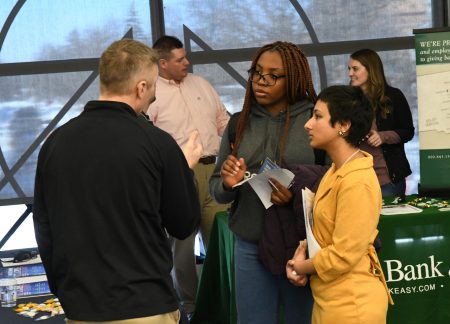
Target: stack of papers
x=399, y=209
x=308, y=204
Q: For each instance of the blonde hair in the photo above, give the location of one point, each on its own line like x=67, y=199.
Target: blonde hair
x=121, y=61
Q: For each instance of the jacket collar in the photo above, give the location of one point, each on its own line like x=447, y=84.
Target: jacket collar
x=96, y=105
x=333, y=175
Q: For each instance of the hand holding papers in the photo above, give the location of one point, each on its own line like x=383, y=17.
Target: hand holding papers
x=308, y=204
x=262, y=187
x=291, y=274
x=260, y=182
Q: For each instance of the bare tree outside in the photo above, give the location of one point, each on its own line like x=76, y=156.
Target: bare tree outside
x=222, y=25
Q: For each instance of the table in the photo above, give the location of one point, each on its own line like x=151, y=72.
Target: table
x=9, y=316
x=215, y=297
x=415, y=256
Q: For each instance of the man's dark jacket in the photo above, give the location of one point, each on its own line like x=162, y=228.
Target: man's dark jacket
x=108, y=187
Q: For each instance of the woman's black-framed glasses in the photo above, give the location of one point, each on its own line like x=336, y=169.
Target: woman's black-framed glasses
x=269, y=79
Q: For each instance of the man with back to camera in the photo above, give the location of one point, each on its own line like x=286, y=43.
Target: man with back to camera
x=186, y=102
x=108, y=187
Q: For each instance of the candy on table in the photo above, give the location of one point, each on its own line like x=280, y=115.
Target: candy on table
x=51, y=306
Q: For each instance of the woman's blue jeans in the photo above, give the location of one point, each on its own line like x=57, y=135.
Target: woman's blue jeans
x=259, y=293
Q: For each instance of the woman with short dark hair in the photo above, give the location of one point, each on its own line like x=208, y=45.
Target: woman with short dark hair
x=346, y=277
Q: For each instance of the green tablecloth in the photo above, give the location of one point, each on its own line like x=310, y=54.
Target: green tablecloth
x=415, y=256
x=215, y=297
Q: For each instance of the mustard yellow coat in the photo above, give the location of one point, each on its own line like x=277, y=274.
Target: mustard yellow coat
x=346, y=213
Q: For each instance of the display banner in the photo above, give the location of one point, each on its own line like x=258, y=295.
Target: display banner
x=433, y=96
x=416, y=263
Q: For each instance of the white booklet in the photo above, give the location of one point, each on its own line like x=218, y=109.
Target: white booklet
x=308, y=204
x=260, y=181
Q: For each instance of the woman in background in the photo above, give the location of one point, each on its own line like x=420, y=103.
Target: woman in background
x=346, y=277
x=278, y=101
x=392, y=125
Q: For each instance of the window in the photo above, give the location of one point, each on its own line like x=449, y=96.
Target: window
x=48, y=70
x=48, y=58
x=225, y=34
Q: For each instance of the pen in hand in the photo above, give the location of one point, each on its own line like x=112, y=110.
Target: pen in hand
x=273, y=185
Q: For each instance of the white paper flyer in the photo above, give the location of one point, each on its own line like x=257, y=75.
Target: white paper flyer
x=308, y=204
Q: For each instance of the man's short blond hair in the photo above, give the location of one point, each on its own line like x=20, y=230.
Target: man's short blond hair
x=121, y=61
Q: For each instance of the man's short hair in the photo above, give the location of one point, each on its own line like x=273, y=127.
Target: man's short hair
x=165, y=44
x=121, y=61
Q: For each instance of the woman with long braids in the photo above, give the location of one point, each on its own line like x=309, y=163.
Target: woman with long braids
x=279, y=100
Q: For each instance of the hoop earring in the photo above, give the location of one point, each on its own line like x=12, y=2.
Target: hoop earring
x=341, y=133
